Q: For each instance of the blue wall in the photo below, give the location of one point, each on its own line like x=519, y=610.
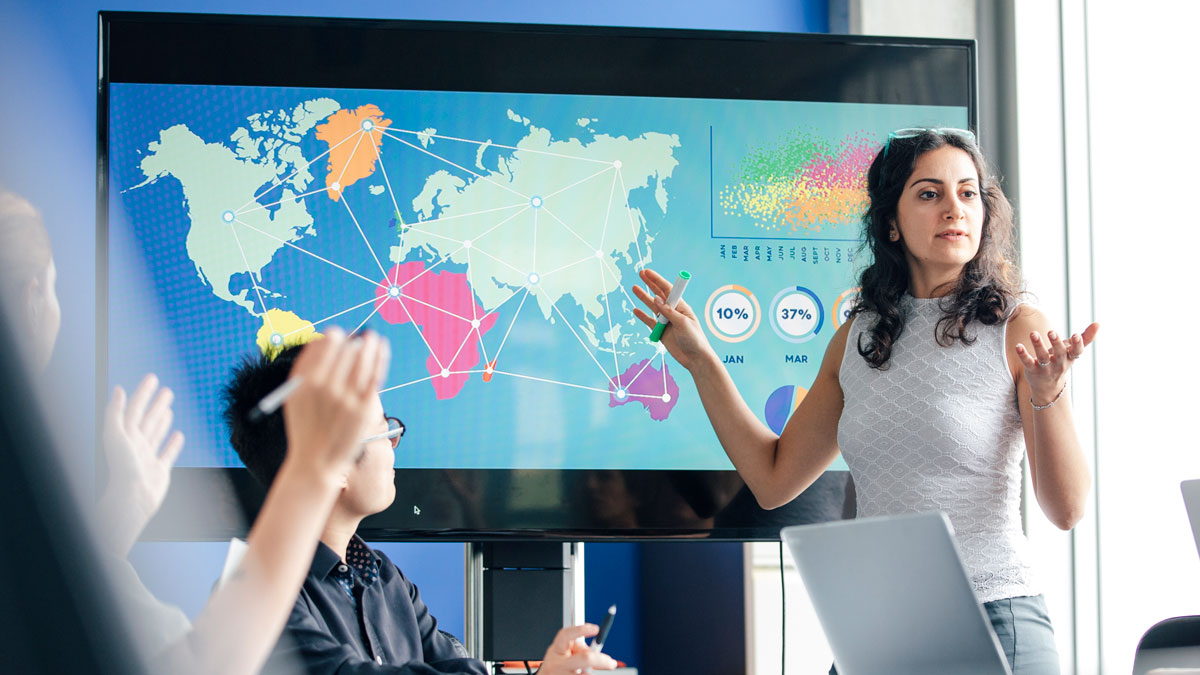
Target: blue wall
x=48, y=114
x=48, y=131
x=612, y=576
x=183, y=574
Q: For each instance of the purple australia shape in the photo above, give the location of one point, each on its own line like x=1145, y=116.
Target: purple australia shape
x=645, y=384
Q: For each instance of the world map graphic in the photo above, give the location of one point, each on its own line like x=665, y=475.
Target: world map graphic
x=493, y=239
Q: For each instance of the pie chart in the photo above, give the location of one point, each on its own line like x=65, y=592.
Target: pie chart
x=780, y=405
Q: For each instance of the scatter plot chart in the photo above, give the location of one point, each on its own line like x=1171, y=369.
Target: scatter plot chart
x=802, y=185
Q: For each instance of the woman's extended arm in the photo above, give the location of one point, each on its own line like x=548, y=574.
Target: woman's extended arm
x=775, y=468
x=1060, y=474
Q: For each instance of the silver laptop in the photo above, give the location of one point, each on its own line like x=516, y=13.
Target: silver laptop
x=1191, y=499
x=893, y=597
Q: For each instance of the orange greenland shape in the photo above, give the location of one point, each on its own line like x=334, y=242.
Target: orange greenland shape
x=350, y=135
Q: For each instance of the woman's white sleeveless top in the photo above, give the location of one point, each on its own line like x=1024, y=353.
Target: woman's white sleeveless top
x=939, y=430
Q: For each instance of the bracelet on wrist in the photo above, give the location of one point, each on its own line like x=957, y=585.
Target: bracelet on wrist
x=1051, y=403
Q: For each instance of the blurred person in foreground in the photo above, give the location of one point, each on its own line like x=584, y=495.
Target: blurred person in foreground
x=236, y=630
x=357, y=612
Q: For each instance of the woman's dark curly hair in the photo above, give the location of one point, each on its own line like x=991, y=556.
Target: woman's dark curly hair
x=990, y=282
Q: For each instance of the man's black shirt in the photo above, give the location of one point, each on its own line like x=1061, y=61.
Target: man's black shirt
x=366, y=618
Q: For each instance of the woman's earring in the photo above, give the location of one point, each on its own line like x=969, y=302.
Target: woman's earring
x=893, y=236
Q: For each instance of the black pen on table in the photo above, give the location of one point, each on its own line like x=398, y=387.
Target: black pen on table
x=605, y=626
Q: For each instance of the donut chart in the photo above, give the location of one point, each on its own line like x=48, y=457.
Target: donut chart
x=797, y=314
x=843, y=305
x=732, y=313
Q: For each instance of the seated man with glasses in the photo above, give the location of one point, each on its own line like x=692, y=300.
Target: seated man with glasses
x=356, y=611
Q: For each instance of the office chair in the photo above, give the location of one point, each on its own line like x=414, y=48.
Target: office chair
x=1170, y=643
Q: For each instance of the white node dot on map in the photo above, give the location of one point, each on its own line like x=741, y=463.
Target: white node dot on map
x=227, y=216
x=336, y=187
x=621, y=393
x=488, y=370
x=599, y=253
x=533, y=278
x=367, y=125
x=467, y=244
x=666, y=398
x=276, y=339
x=474, y=323
x=445, y=372
x=394, y=291
x=536, y=202
x=617, y=164
x=660, y=348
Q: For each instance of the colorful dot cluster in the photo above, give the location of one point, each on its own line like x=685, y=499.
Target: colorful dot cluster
x=802, y=183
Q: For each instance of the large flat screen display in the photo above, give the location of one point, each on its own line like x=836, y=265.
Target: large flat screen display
x=484, y=196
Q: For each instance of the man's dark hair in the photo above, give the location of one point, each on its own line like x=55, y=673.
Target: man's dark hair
x=262, y=443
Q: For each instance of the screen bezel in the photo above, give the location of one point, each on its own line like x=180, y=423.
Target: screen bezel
x=667, y=62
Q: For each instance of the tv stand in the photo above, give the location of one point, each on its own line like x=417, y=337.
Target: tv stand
x=519, y=594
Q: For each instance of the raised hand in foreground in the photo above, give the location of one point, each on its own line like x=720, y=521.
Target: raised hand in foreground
x=325, y=417
x=139, y=463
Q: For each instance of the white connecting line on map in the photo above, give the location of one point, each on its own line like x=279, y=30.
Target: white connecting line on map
x=393, y=290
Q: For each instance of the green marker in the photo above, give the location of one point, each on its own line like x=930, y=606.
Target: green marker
x=672, y=300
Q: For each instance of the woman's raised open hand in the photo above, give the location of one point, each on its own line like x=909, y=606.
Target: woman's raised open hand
x=1047, y=365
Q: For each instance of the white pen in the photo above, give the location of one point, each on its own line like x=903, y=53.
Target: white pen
x=271, y=402
x=673, y=299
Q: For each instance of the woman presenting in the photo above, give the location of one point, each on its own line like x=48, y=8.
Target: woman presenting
x=934, y=389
